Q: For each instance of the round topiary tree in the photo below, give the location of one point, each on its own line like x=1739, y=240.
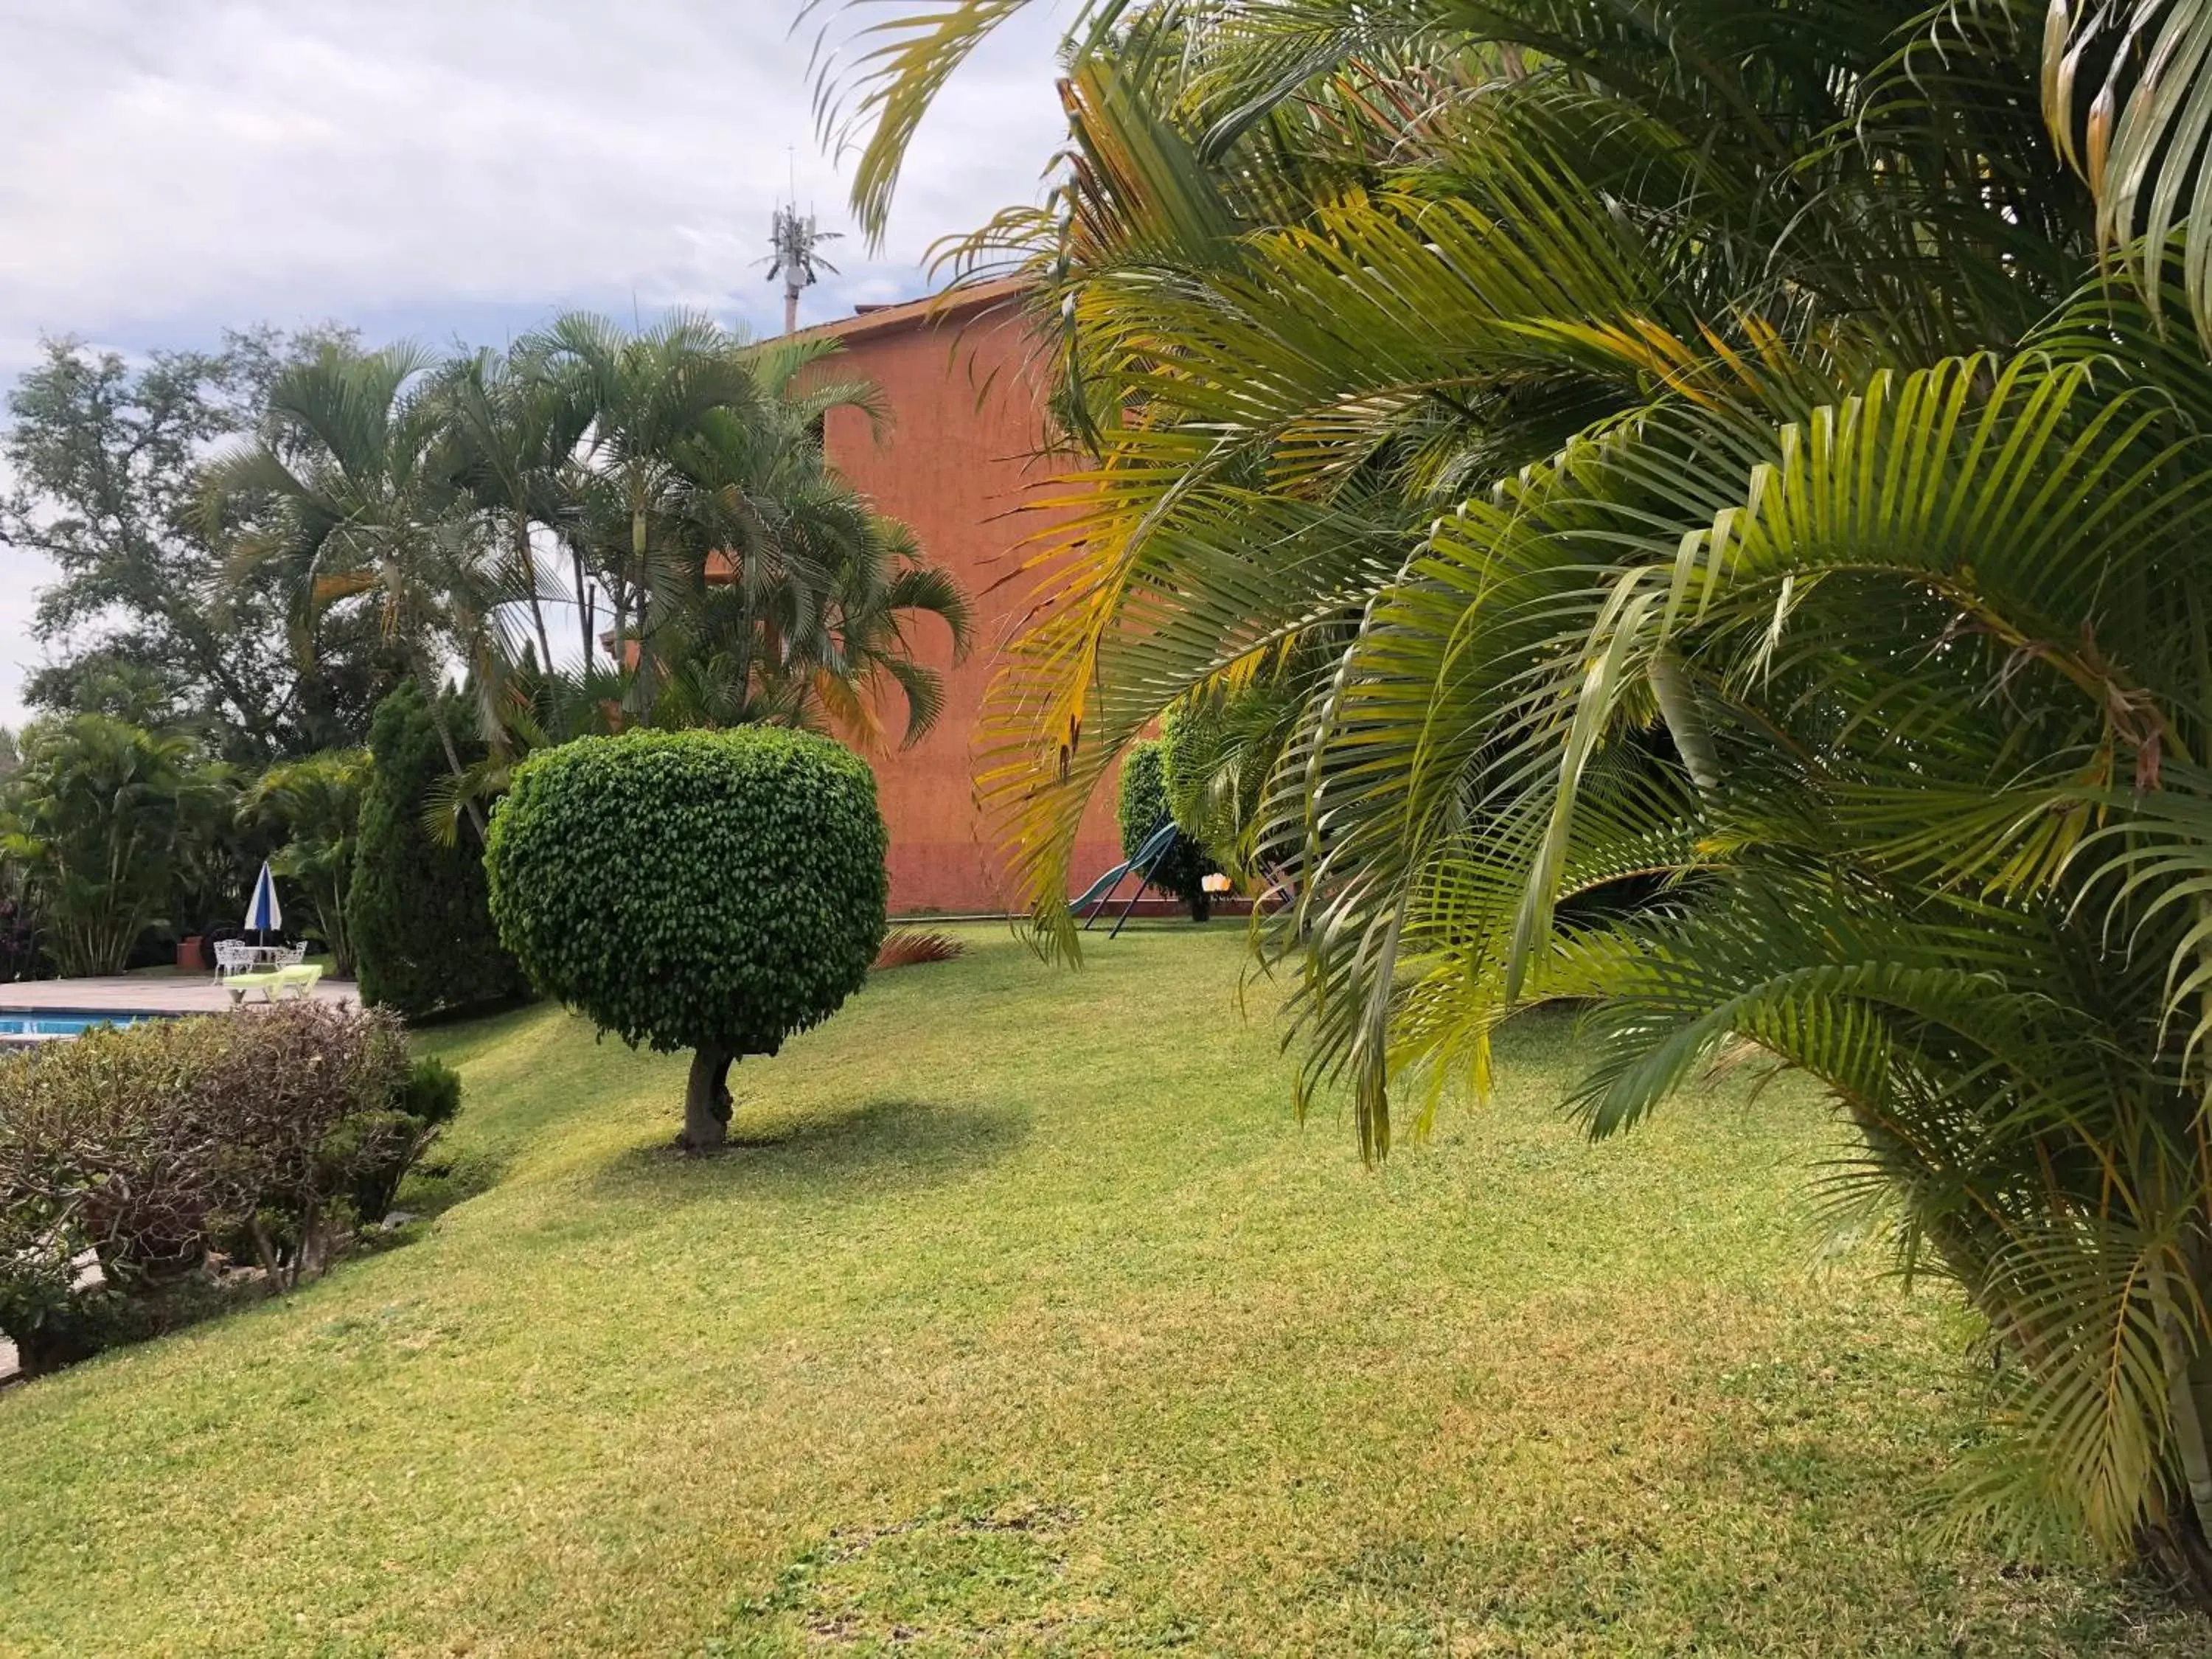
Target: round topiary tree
x=710, y=890
x=1143, y=806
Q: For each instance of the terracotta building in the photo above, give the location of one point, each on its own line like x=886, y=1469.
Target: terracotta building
x=963, y=383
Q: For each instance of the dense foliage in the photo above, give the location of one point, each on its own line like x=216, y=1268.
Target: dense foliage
x=1142, y=808
x=715, y=891
x=423, y=939
x=155, y=1146
x=256, y=544
x=1727, y=531
x=148, y=623
x=717, y=572
x=378, y=1149
x=104, y=818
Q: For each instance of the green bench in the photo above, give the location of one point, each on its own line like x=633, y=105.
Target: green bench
x=299, y=980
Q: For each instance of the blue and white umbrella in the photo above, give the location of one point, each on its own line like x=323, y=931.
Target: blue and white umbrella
x=265, y=915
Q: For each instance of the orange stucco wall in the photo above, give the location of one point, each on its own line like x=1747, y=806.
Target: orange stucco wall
x=957, y=460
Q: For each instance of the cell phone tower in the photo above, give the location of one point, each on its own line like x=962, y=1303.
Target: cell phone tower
x=797, y=258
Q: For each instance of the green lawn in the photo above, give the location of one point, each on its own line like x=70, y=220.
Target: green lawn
x=1027, y=1319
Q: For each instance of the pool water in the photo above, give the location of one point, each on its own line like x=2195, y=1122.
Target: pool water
x=62, y=1022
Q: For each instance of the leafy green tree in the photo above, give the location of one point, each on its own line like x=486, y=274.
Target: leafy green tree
x=713, y=891
x=801, y=603
x=315, y=807
x=416, y=917
x=97, y=813
x=104, y=460
x=644, y=396
x=510, y=433
x=777, y=596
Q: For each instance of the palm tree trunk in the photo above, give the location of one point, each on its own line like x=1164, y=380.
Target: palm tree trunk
x=2189, y=1364
x=331, y=911
x=637, y=540
x=436, y=700
x=528, y=557
x=2188, y=1392
x=2190, y=1389
x=584, y=606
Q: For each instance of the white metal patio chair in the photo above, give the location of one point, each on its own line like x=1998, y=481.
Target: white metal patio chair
x=235, y=955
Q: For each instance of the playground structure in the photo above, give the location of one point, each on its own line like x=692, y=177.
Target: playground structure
x=1155, y=851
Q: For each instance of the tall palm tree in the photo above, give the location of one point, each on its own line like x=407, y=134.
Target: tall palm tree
x=767, y=590
x=643, y=396
x=805, y=598
x=362, y=508
x=510, y=438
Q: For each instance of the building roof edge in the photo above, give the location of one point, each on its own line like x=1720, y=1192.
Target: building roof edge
x=932, y=310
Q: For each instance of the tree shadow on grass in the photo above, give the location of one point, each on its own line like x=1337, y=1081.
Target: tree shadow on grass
x=872, y=1146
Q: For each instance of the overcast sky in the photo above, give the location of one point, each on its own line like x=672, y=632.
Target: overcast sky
x=441, y=170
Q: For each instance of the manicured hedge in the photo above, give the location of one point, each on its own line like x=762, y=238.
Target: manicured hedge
x=254, y=1135
x=710, y=890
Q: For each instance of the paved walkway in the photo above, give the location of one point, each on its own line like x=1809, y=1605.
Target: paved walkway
x=140, y=993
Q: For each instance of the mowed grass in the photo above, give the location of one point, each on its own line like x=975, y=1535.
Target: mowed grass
x=1026, y=1319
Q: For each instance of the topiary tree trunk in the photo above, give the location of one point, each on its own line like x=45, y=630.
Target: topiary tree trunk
x=707, y=1102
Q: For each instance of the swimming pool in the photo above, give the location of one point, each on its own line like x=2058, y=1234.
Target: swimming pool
x=23, y=1026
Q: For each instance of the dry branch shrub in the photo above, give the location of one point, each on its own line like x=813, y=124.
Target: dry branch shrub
x=909, y=947
x=154, y=1146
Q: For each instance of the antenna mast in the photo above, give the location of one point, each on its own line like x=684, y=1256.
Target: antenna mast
x=795, y=257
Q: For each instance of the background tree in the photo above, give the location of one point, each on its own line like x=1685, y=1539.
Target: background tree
x=801, y=603
x=510, y=436
x=645, y=396
x=355, y=510
x=313, y=808
x=713, y=891
x=145, y=623
x=778, y=595
x=415, y=915
x=1141, y=807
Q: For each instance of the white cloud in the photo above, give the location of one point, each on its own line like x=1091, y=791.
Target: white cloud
x=438, y=169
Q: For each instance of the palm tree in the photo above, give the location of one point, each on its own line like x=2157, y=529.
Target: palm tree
x=97, y=813
x=361, y=506
x=802, y=599
x=1739, y=585
x=510, y=436
x=688, y=477
x=643, y=396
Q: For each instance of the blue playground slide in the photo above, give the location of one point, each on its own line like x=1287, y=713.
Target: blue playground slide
x=1156, y=847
